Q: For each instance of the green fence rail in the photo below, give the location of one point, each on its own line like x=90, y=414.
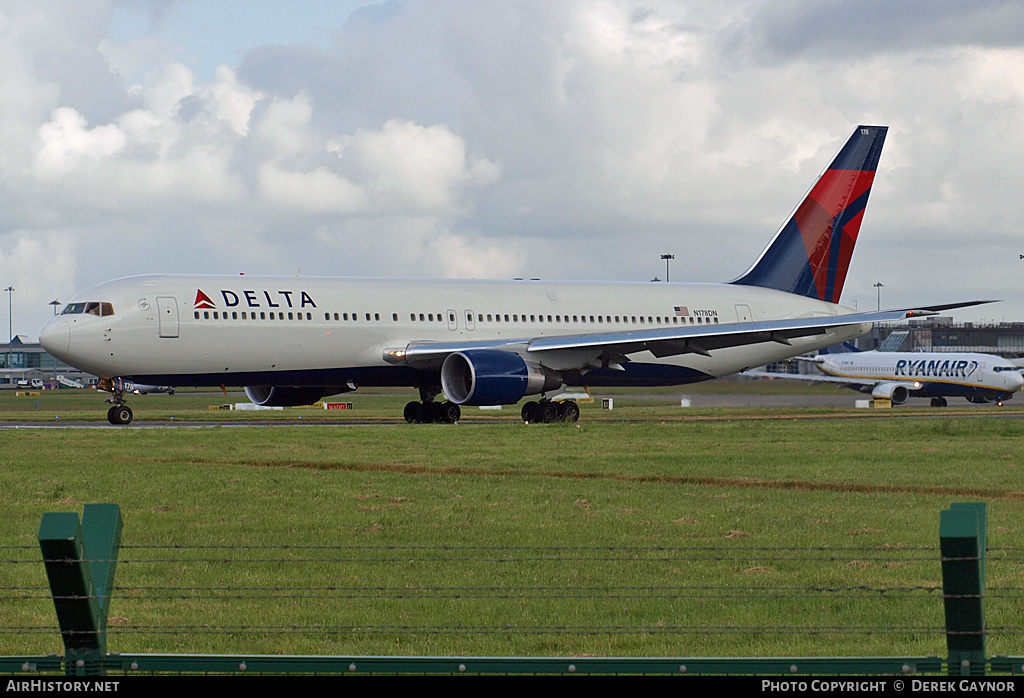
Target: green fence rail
x=80, y=558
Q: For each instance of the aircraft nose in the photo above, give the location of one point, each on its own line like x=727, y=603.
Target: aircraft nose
x=56, y=337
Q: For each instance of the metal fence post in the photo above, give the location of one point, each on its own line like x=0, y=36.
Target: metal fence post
x=962, y=545
x=80, y=561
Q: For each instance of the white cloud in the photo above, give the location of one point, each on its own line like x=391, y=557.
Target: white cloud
x=135, y=56
x=66, y=141
x=460, y=258
x=163, y=89
x=285, y=127
x=411, y=167
x=41, y=268
x=230, y=100
x=318, y=191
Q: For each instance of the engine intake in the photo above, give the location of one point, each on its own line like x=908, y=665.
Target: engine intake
x=492, y=377
x=898, y=393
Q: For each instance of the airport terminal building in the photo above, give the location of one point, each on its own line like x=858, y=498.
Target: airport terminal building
x=939, y=333
x=22, y=362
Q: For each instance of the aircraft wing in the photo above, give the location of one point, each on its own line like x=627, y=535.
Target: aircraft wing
x=666, y=341
x=809, y=378
x=895, y=390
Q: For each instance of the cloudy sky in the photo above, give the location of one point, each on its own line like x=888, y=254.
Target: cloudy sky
x=496, y=139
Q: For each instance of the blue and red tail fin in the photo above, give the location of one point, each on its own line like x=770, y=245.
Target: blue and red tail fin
x=811, y=253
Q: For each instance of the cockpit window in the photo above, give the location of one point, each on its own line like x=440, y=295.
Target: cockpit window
x=92, y=308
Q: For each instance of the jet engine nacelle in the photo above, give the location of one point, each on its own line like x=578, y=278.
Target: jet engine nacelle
x=274, y=396
x=898, y=393
x=492, y=377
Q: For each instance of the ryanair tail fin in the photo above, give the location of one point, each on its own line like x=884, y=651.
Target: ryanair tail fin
x=844, y=348
x=811, y=253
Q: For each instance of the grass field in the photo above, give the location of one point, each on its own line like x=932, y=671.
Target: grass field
x=646, y=531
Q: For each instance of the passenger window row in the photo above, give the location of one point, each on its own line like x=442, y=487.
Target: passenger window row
x=598, y=319
x=105, y=309
x=244, y=315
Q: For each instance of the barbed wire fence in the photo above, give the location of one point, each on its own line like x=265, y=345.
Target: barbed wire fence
x=230, y=558
x=569, y=598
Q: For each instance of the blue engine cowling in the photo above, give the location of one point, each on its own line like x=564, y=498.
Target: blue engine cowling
x=492, y=377
x=274, y=396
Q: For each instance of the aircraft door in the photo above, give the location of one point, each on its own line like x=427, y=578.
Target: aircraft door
x=167, y=308
x=470, y=323
x=453, y=320
x=743, y=313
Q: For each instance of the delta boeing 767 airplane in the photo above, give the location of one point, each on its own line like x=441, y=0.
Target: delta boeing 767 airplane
x=292, y=340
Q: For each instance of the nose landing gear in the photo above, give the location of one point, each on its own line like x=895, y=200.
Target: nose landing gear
x=119, y=413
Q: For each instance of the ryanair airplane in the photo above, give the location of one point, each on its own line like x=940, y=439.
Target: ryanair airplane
x=899, y=376
x=292, y=341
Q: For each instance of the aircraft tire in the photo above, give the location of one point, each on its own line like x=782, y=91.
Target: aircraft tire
x=412, y=413
x=938, y=402
x=120, y=414
x=531, y=412
x=450, y=413
x=548, y=412
x=433, y=413
x=570, y=412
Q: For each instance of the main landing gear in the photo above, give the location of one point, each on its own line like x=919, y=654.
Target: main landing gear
x=432, y=412
x=546, y=411
x=938, y=402
x=429, y=412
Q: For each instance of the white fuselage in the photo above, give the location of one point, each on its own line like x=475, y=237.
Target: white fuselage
x=934, y=373
x=247, y=330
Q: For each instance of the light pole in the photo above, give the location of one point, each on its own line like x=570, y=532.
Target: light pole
x=10, y=328
x=667, y=257
x=10, y=314
x=55, y=303
x=879, y=285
